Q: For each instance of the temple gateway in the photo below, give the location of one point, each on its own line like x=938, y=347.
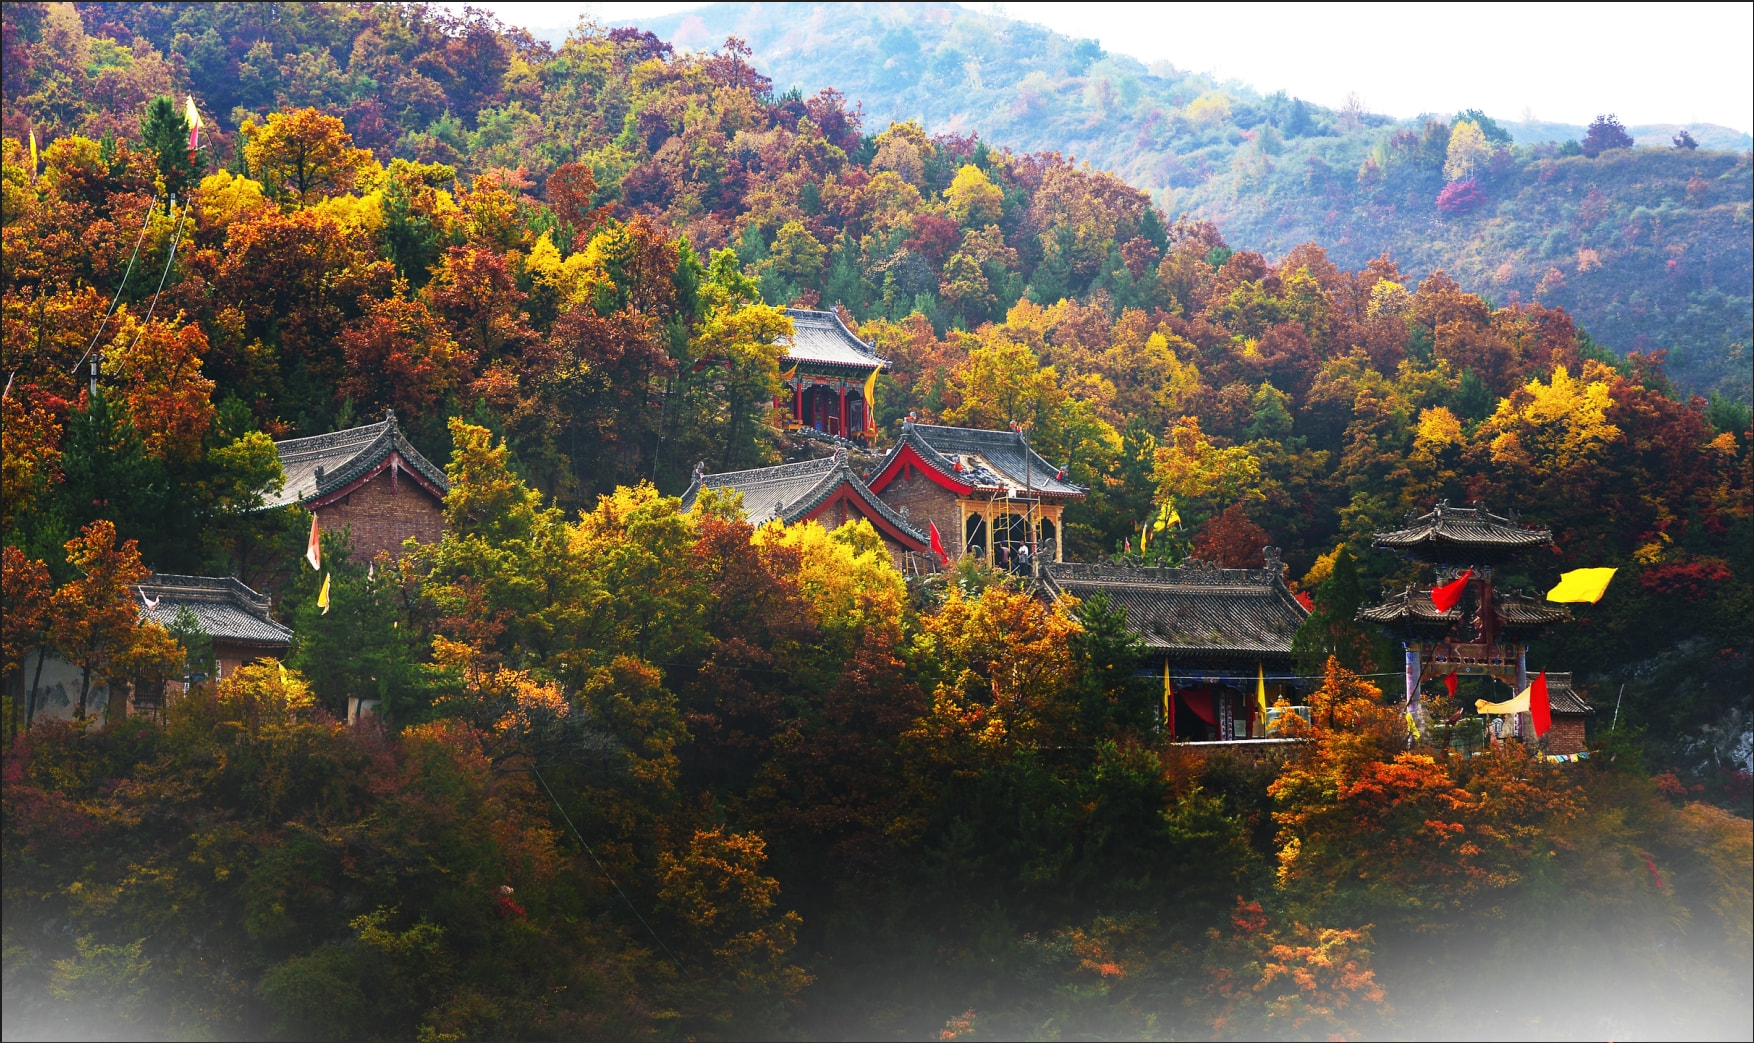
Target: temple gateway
x=1486, y=633
x=370, y=479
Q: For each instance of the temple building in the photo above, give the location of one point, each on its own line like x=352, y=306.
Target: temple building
x=239, y=620
x=829, y=376
x=370, y=479
x=1570, y=714
x=825, y=490
x=1211, y=636
x=988, y=492
x=1486, y=632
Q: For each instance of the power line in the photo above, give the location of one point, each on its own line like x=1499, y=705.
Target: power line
x=176, y=241
x=118, y=297
x=602, y=868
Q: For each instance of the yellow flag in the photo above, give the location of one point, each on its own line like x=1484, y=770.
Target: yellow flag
x=1168, y=694
x=1261, y=690
x=33, y=153
x=871, y=399
x=323, y=597
x=1518, y=705
x=1582, y=585
x=1412, y=724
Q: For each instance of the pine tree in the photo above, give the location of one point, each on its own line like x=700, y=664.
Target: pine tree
x=166, y=132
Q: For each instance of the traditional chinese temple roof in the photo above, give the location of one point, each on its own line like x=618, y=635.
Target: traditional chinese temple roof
x=819, y=338
x=1195, y=610
x=226, y=609
x=1462, y=535
x=1410, y=611
x=972, y=460
x=791, y=493
x=324, y=467
x=1563, y=698
x=1524, y=614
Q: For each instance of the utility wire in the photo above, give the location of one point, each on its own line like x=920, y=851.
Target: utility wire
x=603, y=869
x=108, y=315
x=169, y=259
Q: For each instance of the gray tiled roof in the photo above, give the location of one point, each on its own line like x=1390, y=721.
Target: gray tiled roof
x=1194, y=610
x=1462, y=535
x=344, y=456
x=1562, y=697
x=819, y=337
x=1411, y=609
x=226, y=609
x=989, y=460
x=789, y=492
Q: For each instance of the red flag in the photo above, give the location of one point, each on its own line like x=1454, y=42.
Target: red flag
x=938, y=544
x=1540, y=710
x=1446, y=596
x=1450, y=683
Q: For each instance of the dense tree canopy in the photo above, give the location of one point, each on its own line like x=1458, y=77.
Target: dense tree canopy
x=646, y=773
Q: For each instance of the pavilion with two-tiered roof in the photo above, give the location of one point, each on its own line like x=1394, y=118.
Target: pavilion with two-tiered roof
x=1486, y=633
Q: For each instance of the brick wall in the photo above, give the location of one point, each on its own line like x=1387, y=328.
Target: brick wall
x=927, y=501
x=1567, y=734
x=382, y=517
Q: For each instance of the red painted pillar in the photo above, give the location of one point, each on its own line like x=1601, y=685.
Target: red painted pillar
x=798, y=402
x=843, y=409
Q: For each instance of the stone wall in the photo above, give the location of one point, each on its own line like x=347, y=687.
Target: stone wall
x=382, y=516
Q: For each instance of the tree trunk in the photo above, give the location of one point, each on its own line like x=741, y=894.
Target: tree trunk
x=30, y=706
x=84, y=687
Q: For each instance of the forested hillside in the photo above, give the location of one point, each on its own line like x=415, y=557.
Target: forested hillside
x=1648, y=248
x=647, y=774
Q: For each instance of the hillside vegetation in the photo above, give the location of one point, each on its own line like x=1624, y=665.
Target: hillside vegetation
x=1648, y=248
x=641, y=773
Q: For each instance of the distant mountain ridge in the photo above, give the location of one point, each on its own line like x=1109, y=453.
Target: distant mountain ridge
x=1649, y=247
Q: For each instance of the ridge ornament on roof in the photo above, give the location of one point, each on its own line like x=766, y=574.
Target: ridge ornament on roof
x=1462, y=535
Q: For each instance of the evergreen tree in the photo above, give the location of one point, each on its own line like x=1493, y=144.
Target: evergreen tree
x=1332, y=628
x=166, y=131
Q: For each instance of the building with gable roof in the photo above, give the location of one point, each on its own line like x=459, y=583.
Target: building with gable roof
x=370, y=479
x=826, y=490
x=1211, y=636
x=829, y=376
x=239, y=620
x=988, y=492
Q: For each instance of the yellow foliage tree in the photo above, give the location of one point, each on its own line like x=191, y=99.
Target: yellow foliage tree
x=1192, y=472
x=1554, y=425
x=302, y=154
x=847, y=574
x=1468, y=151
x=974, y=199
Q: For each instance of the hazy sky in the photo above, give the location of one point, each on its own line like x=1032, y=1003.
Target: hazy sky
x=1648, y=63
